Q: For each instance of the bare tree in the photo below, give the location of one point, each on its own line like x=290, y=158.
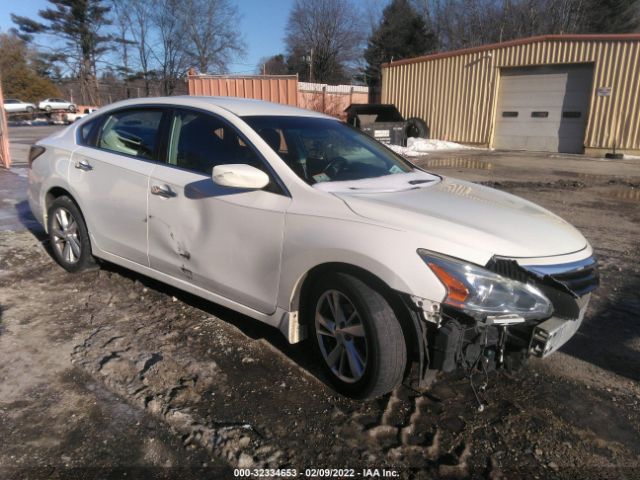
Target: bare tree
x=135, y=18
x=123, y=41
x=467, y=23
x=212, y=33
x=169, y=52
x=329, y=34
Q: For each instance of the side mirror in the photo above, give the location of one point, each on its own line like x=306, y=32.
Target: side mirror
x=239, y=175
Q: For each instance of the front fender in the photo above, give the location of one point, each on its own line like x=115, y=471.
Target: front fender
x=389, y=254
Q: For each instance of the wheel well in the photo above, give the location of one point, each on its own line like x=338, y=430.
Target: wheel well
x=393, y=297
x=51, y=195
x=54, y=193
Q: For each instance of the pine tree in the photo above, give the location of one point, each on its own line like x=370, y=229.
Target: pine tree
x=20, y=76
x=78, y=23
x=402, y=33
x=613, y=16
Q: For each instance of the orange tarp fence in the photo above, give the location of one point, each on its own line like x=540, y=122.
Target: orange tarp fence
x=5, y=156
x=284, y=89
x=272, y=88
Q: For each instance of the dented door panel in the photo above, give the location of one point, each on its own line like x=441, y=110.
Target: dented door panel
x=224, y=240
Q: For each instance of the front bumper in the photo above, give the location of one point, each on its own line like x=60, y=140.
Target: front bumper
x=461, y=341
x=553, y=333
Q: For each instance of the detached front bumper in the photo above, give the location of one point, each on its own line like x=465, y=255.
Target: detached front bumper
x=458, y=341
x=553, y=333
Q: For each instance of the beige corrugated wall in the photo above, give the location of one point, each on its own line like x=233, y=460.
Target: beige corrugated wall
x=456, y=94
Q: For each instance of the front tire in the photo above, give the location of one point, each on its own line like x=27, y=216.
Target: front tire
x=72, y=108
x=356, y=336
x=68, y=235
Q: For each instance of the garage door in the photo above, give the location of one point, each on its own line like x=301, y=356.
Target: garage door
x=543, y=108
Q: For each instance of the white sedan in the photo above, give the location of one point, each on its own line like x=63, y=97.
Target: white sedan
x=302, y=222
x=49, y=104
x=13, y=105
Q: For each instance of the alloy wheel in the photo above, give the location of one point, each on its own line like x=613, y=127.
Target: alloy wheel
x=65, y=235
x=341, y=336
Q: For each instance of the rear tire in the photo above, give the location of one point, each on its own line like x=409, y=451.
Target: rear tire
x=356, y=336
x=29, y=109
x=72, y=108
x=47, y=108
x=417, y=128
x=68, y=236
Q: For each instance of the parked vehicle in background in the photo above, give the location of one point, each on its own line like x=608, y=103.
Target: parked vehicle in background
x=385, y=123
x=296, y=219
x=13, y=105
x=72, y=117
x=49, y=104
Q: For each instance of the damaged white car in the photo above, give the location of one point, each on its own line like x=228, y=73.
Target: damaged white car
x=303, y=222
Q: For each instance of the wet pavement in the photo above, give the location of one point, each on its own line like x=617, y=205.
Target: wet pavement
x=21, y=139
x=15, y=213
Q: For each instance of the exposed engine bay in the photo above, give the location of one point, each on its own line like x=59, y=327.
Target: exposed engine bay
x=454, y=340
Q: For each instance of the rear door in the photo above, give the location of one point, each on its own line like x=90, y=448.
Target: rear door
x=227, y=241
x=110, y=174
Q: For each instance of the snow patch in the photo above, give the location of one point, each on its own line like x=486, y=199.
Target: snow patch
x=20, y=171
x=631, y=157
x=416, y=147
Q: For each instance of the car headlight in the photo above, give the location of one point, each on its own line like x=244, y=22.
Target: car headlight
x=477, y=291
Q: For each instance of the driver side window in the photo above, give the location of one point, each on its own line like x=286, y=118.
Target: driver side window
x=131, y=132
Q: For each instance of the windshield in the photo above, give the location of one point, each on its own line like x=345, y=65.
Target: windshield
x=324, y=150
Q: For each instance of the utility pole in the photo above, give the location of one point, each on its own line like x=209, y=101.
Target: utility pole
x=311, y=66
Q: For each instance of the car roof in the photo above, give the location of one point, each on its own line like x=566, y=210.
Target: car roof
x=239, y=106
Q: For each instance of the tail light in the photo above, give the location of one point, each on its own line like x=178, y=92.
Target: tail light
x=35, y=152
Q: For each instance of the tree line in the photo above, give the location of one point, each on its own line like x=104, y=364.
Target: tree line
x=364, y=40
x=150, y=44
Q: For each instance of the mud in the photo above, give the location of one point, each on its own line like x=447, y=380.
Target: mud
x=179, y=387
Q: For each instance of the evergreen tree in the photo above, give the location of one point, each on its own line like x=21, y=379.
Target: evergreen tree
x=78, y=23
x=19, y=71
x=402, y=33
x=613, y=16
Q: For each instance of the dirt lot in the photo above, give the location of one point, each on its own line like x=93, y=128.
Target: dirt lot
x=108, y=372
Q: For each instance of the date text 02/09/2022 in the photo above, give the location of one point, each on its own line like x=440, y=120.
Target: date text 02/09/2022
x=317, y=473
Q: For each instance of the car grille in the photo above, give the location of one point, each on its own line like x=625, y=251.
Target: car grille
x=566, y=285
x=578, y=277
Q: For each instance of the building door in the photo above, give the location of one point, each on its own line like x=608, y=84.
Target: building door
x=543, y=108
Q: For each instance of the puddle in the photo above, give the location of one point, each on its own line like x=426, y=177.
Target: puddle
x=460, y=162
x=632, y=194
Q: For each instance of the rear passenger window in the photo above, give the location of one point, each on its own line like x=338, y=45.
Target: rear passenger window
x=198, y=142
x=132, y=132
x=86, y=133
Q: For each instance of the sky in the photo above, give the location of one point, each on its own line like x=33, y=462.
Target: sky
x=262, y=26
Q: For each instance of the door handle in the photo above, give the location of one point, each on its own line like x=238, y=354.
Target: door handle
x=163, y=191
x=83, y=165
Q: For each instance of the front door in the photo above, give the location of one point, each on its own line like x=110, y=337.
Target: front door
x=227, y=241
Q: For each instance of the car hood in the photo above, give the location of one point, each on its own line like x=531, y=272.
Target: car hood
x=452, y=213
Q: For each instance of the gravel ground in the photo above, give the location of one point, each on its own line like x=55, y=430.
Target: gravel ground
x=107, y=372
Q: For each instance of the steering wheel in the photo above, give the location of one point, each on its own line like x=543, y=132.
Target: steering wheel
x=335, y=166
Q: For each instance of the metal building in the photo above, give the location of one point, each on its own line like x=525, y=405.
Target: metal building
x=556, y=93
